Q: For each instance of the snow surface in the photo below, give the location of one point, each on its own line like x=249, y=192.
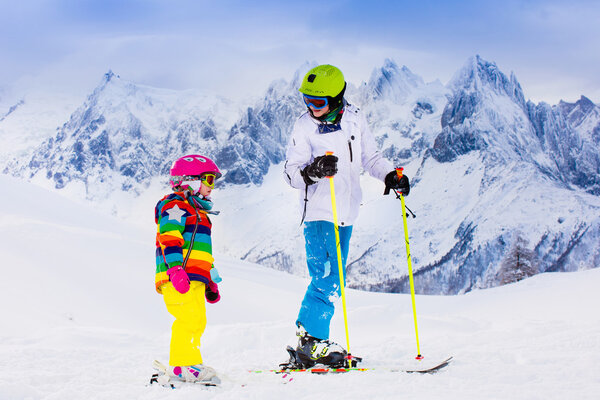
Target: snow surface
x=81, y=319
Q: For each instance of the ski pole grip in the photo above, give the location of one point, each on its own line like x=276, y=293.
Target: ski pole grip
x=329, y=153
x=399, y=172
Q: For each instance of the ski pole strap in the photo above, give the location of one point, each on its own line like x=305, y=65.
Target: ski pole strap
x=399, y=172
x=305, y=204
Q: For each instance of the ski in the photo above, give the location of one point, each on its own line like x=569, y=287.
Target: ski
x=431, y=369
x=331, y=370
x=162, y=378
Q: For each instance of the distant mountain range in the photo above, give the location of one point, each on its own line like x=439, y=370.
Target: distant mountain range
x=492, y=173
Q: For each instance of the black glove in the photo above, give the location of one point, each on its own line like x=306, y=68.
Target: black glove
x=212, y=293
x=392, y=181
x=321, y=167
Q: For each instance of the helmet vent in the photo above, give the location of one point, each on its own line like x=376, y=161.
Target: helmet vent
x=311, y=78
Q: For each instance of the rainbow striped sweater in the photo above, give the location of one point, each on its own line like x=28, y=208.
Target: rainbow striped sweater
x=175, y=220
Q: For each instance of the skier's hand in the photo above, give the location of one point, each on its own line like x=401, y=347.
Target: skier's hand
x=179, y=278
x=212, y=292
x=392, y=181
x=321, y=167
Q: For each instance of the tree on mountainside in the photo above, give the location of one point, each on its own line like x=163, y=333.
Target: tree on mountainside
x=520, y=262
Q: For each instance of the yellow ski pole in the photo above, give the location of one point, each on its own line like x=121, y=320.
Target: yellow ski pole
x=339, y=261
x=410, y=272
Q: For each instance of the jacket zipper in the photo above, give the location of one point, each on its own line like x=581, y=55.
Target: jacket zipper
x=350, y=148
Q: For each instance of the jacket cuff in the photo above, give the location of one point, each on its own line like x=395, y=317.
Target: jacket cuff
x=309, y=180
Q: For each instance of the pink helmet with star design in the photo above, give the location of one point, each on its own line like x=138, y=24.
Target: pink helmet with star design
x=191, y=167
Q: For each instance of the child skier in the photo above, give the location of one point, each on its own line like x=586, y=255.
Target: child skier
x=330, y=124
x=185, y=274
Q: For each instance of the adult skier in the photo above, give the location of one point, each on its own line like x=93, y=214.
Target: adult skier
x=330, y=124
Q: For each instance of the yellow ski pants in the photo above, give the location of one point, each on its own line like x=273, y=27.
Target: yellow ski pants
x=189, y=310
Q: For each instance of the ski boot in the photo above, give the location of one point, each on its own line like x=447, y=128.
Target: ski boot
x=311, y=351
x=198, y=374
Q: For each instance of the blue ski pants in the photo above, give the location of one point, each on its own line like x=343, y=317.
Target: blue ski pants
x=324, y=289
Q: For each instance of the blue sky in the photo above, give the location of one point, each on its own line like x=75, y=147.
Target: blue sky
x=237, y=47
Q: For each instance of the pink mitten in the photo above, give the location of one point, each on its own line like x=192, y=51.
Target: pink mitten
x=179, y=279
x=212, y=293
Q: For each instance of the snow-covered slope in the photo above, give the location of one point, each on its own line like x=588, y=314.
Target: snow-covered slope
x=28, y=119
x=493, y=175
x=81, y=319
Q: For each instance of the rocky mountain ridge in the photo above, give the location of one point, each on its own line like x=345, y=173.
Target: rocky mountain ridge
x=470, y=146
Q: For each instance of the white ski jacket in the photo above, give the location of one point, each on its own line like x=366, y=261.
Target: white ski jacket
x=355, y=147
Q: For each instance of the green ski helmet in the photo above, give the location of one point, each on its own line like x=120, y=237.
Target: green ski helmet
x=326, y=81
x=323, y=81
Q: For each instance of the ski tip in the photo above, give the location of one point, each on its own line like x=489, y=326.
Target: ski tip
x=159, y=366
x=432, y=369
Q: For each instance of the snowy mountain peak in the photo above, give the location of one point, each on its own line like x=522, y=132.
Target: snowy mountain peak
x=585, y=104
x=487, y=112
x=391, y=82
x=109, y=76
x=576, y=113
x=109, y=79
x=124, y=134
x=478, y=75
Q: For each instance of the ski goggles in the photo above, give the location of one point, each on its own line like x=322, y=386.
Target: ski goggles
x=316, y=103
x=194, y=181
x=208, y=180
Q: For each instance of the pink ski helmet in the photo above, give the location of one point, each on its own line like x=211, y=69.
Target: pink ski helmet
x=191, y=167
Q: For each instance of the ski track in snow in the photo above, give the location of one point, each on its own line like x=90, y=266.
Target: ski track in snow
x=81, y=320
